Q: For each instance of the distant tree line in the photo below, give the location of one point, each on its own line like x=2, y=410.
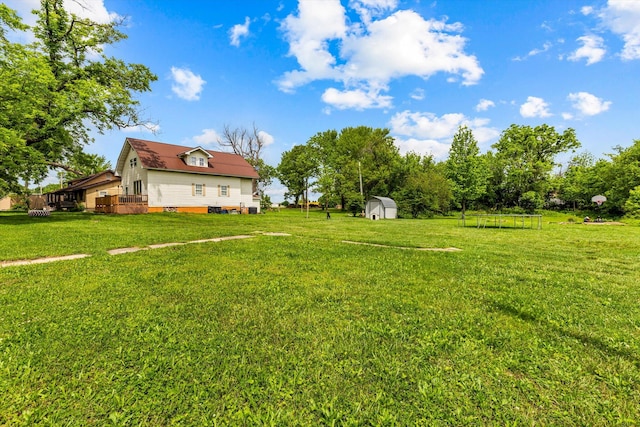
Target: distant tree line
x=519, y=174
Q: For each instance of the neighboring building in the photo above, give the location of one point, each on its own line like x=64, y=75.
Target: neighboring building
x=6, y=203
x=381, y=208
x=176, y=178
x=84, y=190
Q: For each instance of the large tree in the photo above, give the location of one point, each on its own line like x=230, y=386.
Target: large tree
x=622, y=175
x=355, y=154
x=579, y=182
x=57, y=90
x=420, y=186
x=297, y=166
x=249, y=144
x=466, y=169
x=524, y=158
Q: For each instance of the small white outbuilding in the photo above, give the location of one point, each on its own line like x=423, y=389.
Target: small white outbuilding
x=381, y=208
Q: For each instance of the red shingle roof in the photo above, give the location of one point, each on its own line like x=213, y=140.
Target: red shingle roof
x=161, y=156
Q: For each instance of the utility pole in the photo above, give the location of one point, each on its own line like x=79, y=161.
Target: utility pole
x=361, y=192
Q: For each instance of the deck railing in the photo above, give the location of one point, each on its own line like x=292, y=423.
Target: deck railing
x=122, y=204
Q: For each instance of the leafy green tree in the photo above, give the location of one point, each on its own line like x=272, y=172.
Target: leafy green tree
x=621, y=176
x=466, y=169
x=530, y=201
x=297, y=166
x=632, y=205
x=356, y=203
x=58, y=89
x=524, y=159
x=579, y=182
x=265, y=202
x=325, y=185
x=421, y=186
x=353, y=153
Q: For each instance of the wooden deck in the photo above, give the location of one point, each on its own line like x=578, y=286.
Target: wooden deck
x=130, y=204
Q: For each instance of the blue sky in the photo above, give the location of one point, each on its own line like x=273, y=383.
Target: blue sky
x=419, y=68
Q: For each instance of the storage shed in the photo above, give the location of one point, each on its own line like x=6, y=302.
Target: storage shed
x=381, y=208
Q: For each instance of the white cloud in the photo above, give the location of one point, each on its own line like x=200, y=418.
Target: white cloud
x=592, y=49
x=484, y=105
x=405, y=44
x=586, y=10
x=534, y=107
x=588, y=104
x=91, y=9
x=187, y=85
x=623, y=18
x=144, y=128
x=308, y=35
x=426, y=125
x=567, y=116
x=426, y=147
x=367, y=9
x=417, y=94
x=369, y=54
x=239, y=31
x=266, y=138
x=211, y=137
x=533, y=52
x=426, y=133
x=207, y=137
x=357, y=99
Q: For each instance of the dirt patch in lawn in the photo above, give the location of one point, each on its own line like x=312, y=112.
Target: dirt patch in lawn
x=42, y=260
x=403, y=247
x=604, y=223
x=119, y=251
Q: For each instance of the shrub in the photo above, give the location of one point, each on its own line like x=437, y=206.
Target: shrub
x=530, y=201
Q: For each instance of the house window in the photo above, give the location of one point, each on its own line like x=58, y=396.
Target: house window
x=192, y=161
x=201, y=161
x=137, y=187
x=198, y=189
x=133, y=162
x=103, y=193
x=224, y=190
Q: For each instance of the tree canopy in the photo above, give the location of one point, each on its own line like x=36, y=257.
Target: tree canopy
x=524, y=159
x=56, y=90
x=465, y=168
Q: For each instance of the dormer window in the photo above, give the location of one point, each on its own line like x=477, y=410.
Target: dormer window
x=196, y=157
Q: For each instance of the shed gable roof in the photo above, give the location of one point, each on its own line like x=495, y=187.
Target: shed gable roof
x=169, y=157
x=386, y=201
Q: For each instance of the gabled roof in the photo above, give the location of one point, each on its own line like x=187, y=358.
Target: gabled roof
x=90, y=181
x=198, y=148
x=169, y=157
x=386, y=202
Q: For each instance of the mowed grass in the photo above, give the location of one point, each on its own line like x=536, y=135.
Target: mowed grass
x=520, y=327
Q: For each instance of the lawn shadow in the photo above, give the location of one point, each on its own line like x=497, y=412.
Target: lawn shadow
x=22, y=218
x=588, y=340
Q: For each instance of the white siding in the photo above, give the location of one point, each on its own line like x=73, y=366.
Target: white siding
x=131, y=174
x=175, y=189
x=247, y=187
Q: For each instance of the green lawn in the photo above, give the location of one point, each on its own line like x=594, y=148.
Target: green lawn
x=520, y=327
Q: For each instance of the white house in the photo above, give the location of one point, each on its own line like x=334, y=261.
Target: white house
x=381, y=208
x=186, y=179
